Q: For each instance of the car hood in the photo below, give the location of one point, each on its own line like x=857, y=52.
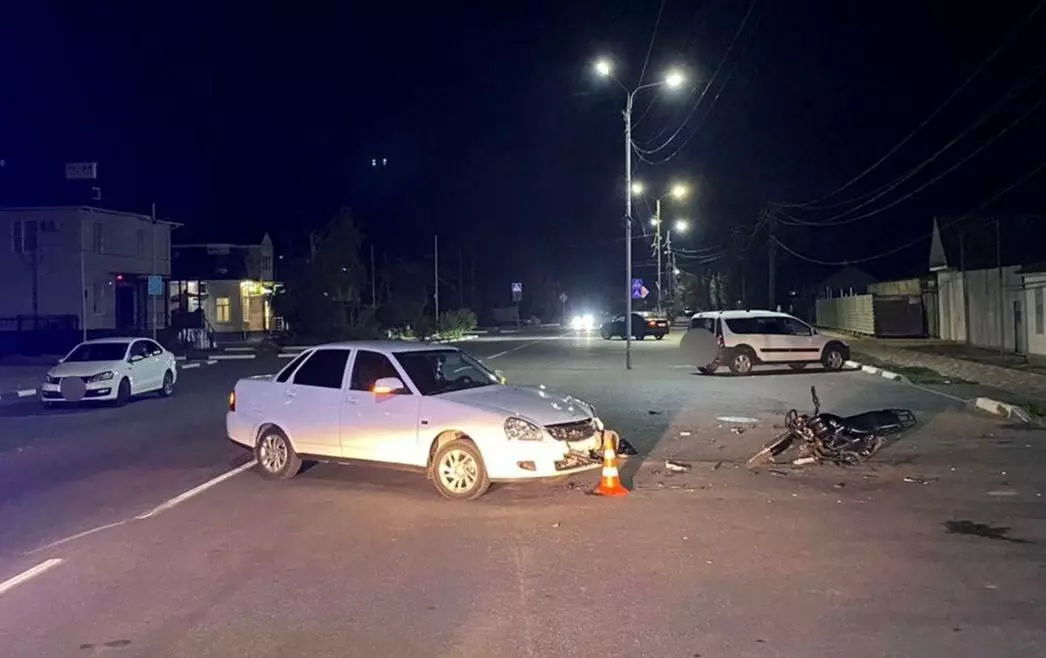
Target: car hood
x=83, y=368
x=535, y=404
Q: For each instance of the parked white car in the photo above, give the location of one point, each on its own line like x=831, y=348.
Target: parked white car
x=110, y=369
x=750, y=338
x=431, y=407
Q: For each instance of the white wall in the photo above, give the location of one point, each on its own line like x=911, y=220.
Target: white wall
x=854, y=313
x=1035, y=313
x=990, y=306
x=57, y=264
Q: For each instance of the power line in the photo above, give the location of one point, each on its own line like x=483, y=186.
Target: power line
x=906, y=245
x=888, y=187
x=650, y=46
x=792, y=221
x=991, y=57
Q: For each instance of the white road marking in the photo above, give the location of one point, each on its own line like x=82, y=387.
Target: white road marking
x=182, y=497
x=231, y=357
x=78, y=535
x=287, y=355
x=239, y=349
x=514, y=349
x=26, y=392
x=211, y=362
x=190, y=366
x=11, y=583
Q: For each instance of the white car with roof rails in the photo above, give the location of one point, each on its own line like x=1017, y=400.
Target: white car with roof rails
x=431, y=407
x=748, y=339
x=110, y=370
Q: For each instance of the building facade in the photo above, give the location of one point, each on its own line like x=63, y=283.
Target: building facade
x=84, y=268
x=232, y=284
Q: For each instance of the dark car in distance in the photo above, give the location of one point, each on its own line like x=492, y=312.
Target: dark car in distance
x=643, y=325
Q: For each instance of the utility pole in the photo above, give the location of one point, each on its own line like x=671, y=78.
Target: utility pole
x=435, y=274
x=152, y=297
x=965, y=288
x=657, y=246
x=1002, y=291
x=461, y=278
x=772, y=283
x=472, y=283
x=628, y=231
x=373, y=280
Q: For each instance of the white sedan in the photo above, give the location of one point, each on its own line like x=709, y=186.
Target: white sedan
x=434, y=408
x=110, y=369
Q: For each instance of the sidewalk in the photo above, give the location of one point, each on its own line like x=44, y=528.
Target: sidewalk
x=937, y=362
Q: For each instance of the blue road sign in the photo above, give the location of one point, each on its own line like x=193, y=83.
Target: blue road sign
x=517, y=287
x=637, y=289
x=155, y=284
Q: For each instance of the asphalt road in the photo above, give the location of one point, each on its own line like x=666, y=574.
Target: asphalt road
x=935, y=548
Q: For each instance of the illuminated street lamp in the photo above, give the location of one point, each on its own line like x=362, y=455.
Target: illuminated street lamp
x=679, y=192
x=673, y=79
x=681, y=226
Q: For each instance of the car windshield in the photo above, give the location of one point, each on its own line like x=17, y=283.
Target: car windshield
x=97, y=352
x=443, y=371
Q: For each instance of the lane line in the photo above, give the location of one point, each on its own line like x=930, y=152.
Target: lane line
x=46, y=565
x=514, y=349
x=26, y=392
x=190, y=366
x=182, y=497
x=78, y=535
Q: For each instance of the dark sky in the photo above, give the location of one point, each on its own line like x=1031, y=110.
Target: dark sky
x=241, y=118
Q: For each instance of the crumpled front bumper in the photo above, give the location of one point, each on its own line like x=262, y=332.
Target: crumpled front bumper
x=526, y=460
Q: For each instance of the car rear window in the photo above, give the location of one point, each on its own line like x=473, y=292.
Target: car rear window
x=708, y=324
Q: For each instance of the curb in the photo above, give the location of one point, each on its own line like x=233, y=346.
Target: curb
x=991, y=405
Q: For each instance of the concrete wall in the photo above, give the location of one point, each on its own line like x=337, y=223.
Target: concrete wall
x=991, y=304
x=1035, y=312
x=56, y=263
x=891, y=288
x=855, y=314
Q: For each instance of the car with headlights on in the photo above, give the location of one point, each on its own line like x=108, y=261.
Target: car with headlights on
x=432, y=408
x=583, y=322
x=112, y=370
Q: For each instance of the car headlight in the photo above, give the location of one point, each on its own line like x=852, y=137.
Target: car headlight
x=100, y=377
x=517, y=429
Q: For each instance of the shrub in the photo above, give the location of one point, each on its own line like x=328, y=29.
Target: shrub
x=456, y=323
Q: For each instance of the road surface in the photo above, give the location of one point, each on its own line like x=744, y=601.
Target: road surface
x=933, y=549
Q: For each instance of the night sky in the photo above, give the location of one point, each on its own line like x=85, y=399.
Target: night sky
x=239, y=119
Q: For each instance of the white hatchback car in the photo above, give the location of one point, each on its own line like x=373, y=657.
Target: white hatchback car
x=110, y=369
x=431, y=407
x=750, y=338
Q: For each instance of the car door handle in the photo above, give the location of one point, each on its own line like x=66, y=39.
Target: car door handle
x=289, y=393
x=353, y=401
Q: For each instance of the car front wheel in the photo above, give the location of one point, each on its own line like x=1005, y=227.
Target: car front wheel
x=833, y=359
x=459, y=472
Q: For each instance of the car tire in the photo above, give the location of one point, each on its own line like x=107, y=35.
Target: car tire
x=167, y=388
x=458, y=471
x=796, y=366
x=832, y=358
x=123, y=392
x=275, y=455
x=659, y=337
x=742, y=362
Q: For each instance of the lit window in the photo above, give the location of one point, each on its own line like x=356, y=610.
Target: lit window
x=221, y=309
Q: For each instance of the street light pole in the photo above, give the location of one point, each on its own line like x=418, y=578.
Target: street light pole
x=628, y=230
x=657, y=243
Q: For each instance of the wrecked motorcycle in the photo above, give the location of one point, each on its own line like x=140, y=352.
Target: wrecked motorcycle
x=823, y=437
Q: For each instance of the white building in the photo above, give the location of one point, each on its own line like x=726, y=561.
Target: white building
x=83, y=266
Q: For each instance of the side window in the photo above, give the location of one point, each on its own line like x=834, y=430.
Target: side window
x=324, y=369
x=152, y=349
x=139, y=349
x=796, y=328
x=291, y=367
x=368, y=368
x=744, y=326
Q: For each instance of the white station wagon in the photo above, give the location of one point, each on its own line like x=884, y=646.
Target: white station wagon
x=410, y=404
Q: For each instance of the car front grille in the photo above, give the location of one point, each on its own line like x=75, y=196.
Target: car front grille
x=576, y=431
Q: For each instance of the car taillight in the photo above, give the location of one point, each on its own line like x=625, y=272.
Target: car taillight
x=652, y=323
x=232, y=401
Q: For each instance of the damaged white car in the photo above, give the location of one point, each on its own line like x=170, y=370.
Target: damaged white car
x=406, y=404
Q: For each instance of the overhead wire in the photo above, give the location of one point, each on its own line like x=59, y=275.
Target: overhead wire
x=793, y=221
x=1010, y=36
x=1023, y=179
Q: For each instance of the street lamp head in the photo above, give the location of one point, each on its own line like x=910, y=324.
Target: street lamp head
x=603, y=67
x=679, y=191
x=674, y=79
x=675, y=271
x=638, y=188
x=682, y=225
x=655, y=221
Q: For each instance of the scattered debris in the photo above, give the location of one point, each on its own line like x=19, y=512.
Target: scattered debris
x=676, y=467
x=626, y=448
x=776, y=471
x=556, y=524
x=1003, y=492
x=804, y=461
x=738, y=430
x=839, y=485
x=982, y=530
x=742, y=420
x=717, y=466
x=684, y=433
x=653, y=413
x=912, y=480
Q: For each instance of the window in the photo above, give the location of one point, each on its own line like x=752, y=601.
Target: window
x=1039, y=320
x=442, y=371
x=368, y=368
x=794, y=327
x=89, y=352
x=140, y=348
x=98, y=238
x=325, y=369
x=286, y=373
x=221, y=313
x=24, y=236
x=152, y=349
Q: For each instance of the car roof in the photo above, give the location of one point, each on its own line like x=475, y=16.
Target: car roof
x=111, y=339
x=388, y=346
x=740, y=314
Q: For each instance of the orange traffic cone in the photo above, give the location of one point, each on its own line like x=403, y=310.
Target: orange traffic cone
x=610, y=482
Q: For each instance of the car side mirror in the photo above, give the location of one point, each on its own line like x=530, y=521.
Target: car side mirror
x=135, y=358
x=813, y=331
x=388, y=385
x=61, y=359
x=501, y=377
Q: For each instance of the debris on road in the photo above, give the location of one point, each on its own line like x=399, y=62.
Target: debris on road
x=913, y=480
x=777, y=471
x=741, y=420
x=717, y=466
x=1003, y=492
x=675, y=467
x=625, y=448
x=684, y=433
x=653, y=413
x=738, y=430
